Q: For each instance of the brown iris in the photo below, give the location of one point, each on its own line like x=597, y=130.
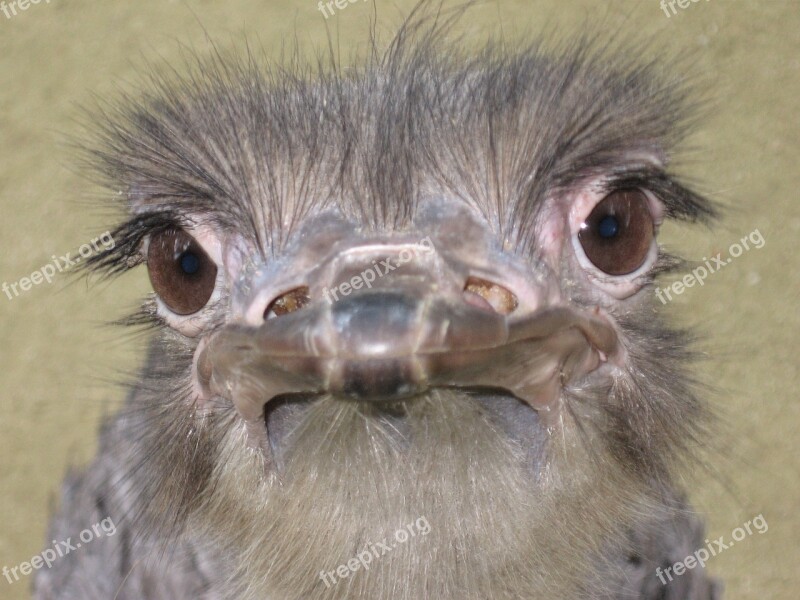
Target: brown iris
x=618, y=234
x=181, y=272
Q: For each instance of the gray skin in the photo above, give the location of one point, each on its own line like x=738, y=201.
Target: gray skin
x=448, y=166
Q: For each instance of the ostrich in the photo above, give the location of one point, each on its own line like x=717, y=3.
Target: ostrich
x=415, y=292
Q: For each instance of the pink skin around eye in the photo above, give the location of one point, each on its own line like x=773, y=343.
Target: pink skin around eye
x=562, y=218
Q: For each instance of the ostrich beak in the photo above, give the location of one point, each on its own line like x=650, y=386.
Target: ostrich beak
x=408, y=332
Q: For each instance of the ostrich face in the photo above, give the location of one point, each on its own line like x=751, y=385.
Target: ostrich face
x=415, y=290
x=384, y=319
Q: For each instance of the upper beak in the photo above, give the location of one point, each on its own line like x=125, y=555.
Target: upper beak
x=398, y=339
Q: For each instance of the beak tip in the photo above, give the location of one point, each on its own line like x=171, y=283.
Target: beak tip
x=378, y=380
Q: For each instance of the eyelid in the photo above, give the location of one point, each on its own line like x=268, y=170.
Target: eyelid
x=206, y=236
x=587, y=201
x=657, y=207
x=672, y=198
x=584, y=202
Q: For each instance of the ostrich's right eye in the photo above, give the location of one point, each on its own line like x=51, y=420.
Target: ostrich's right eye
x=181, y=272
x=618, y=234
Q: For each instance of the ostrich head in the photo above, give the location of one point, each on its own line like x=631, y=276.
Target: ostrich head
x=416, y=289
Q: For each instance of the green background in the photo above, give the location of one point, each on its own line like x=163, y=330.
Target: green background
x=61, y=365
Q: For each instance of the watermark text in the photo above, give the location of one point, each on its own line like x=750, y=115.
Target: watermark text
x=60, y=549
x=10, y=8
x=712, y=265
x=59, y=264
x=375, y=551
x=669, y=5
x=701, y=556
x=378, y=269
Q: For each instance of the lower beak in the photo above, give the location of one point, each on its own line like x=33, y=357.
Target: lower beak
x=385, y=345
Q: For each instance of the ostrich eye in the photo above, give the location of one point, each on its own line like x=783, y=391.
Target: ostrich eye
x=181, y=273
x=618, y=234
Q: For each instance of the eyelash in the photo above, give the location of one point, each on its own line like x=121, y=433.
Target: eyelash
x=679, y=202
x=127, y=253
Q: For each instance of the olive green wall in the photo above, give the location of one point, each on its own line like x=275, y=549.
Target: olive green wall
x=60, y=364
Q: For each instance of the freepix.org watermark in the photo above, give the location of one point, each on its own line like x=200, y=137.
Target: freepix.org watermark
x=701, y=556
x=669, y=5
x=379, y=269
x=375, y=551
x=10, y=8
x=340, y=4
x=712, y=265
x=58, y=265
x=60, y=549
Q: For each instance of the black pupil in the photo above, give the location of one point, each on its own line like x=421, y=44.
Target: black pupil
x=608, y=227
x=190, y=263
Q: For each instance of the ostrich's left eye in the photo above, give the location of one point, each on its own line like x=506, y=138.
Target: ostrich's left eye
x=618, y=234
x=182, y=274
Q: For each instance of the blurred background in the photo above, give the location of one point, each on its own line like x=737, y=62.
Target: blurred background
x=62, y=365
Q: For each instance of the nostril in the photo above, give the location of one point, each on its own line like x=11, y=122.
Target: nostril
x=490, y=296
x=288, y=302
